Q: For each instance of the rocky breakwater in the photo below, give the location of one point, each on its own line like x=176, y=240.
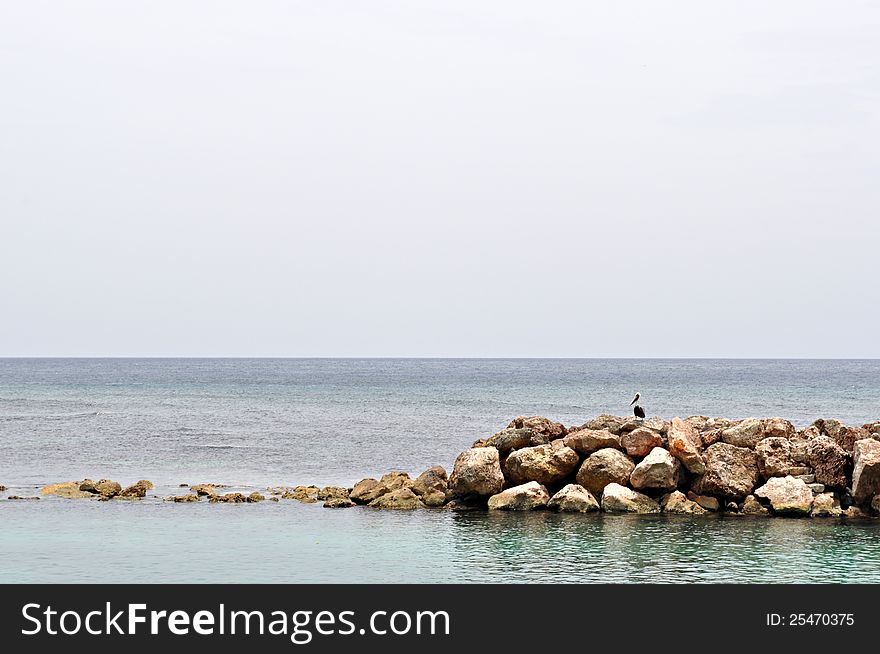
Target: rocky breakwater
x=692, y=466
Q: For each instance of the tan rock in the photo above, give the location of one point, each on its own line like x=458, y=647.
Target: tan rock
x=544, y=464
x=787, y=495
x=866, y=470
x=401, y=499
x=751, y=506
x=774, y=456
x=682, y=439
x=540, y=424
x=731, y=471
x=744, y=434
x=620, y=499
x=573, y=498
x=677, y=502
x=587, y=441
x=525, y=497
x=640, y=441
x=477, y=471
x=826, y=505
x=68, y=490
x=658, y=471
x=604, y=467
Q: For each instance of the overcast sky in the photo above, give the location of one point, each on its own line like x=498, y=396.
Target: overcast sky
x=436, y=178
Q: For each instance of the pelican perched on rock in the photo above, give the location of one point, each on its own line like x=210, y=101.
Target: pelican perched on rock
x=638, y=411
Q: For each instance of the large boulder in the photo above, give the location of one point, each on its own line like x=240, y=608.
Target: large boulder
x=431, y=486
x=544, y=464
x=826, y=505
x=333, y=492
x=640, y=441
x=677, y=502
x=866, y=470
x=513, y=439
x=368, y=490
x=829, y=461
x=684, y=444
x=659, y=471
x=365, y=491
x=654, y=423
x=620, y=499
x=525, y=497
x=846, y=437
x=731, y=471
x=69, y=490
x=587, y=441
x=606, y=422
x=604, y=467
x=477, y=471
x=402, y=498
x=787, y=495
x=774, y=457
x=540, y=424
x=744, y=434
x=778, y=428
x=573, y=498
x=697, y=422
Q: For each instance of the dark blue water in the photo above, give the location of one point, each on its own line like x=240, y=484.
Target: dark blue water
x=260, y=422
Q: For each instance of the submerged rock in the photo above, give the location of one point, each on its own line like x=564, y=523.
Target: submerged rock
x=402, y=498
x=573, y=498
x=787, y=495
x=338, y=503
x=677, y=502
x=658, y=471
x=19, y=497
x=544, y=464
x=69, y=490
x=477, y=471
x=229, y=498
x=331, y=492
x=255, y=497
x=620, y=499
x=640, y=441
x=525, y=497
x=138, y=489
x=605, y=467
x=205, y=489
x=190, y=497
x=587, y=441
x=731, y=471
x=751, y=506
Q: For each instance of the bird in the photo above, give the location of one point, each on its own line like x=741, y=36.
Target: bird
x=638, y=411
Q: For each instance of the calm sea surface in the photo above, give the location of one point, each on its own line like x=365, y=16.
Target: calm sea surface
x=260, y=422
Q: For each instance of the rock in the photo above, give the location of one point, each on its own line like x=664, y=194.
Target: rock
x=828, y=427
x=333, y=492
x=745, y=434
x=477, y=471
x=88, y=485
x=107, y=488
x=573, y=498
x=787, y=495
x=540, y=424
x=620, y=499
x=190, y=497
x=866, y=470
x=587, y=441
x=367, y=490
x=799, y=446
x=710, y=437
x=338, y=503
x=697, y=422
x=774, y=456
x=875, y=504
x=677, y=502
x=826, y=505
x=751, y=506
x=681, y=439
x=229, y=498
x=658, y=471
x=138, y=489
x=401, y=498
x=872, y=427
x=718, y=423
x=205, y=489
x=255, y=497
x=68, y=490
x=19, y=497
x=525, y=497
x=855, y=512
x=544, y=464
x=731, y=471
x=847, y=436
x=731, y=507
x=706, y=501
x=299, y=495
x=778, y=428
x=655, y=423
x=640, y=441
x=605, y=422
x=817, y=488
x=432, y=486
x=807, y=479
x=604, y=467
x=513, y=439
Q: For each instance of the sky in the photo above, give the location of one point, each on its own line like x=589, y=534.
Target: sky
x=440, y=178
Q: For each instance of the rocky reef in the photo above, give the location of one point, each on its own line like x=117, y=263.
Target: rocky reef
x=691, y=466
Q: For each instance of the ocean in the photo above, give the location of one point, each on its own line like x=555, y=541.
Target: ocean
x=253, y=423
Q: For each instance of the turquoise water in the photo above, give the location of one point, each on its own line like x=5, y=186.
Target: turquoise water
x=255, y=423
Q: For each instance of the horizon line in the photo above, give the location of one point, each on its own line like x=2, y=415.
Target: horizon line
x=447, y=358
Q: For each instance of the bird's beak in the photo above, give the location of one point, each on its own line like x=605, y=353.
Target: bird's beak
x=633, y=402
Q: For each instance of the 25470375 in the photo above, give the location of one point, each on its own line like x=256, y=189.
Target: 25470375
x=810, y=620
